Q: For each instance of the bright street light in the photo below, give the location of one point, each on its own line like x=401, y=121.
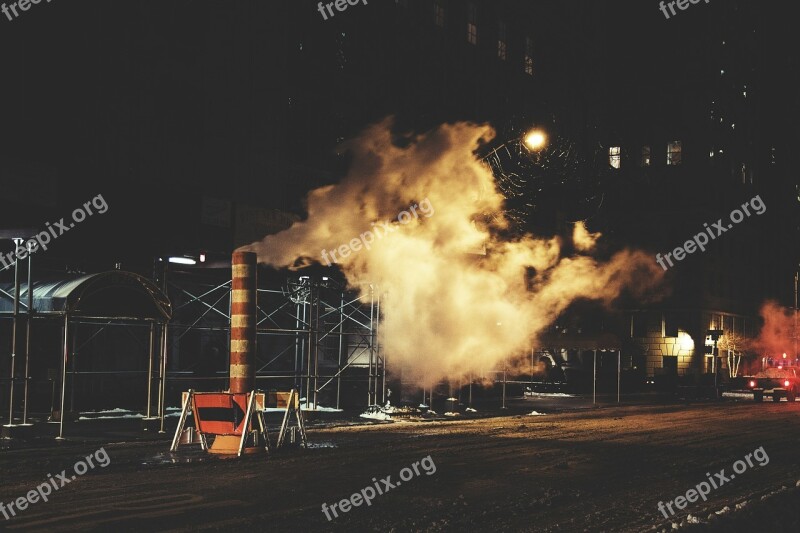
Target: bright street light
x=535, y=139
x=182, y=260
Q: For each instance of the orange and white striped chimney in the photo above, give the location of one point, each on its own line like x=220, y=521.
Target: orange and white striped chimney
x=243, y=321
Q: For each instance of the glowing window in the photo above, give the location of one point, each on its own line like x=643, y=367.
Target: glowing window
x=472, y=23
x=674, y=153
x=502, y=42
x=615, y=156
x=528, y=62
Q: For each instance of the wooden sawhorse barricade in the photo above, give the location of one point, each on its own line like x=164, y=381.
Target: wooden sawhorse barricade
x=231, y=416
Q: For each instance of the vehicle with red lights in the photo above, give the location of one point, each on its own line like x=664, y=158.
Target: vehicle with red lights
x=777, y=382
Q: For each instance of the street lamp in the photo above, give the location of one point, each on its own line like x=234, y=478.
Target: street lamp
x=535, y=139
x=715, y=334
x=182, y=260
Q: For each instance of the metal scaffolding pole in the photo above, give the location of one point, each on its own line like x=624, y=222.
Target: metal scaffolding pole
x=370, y=396
x=310, y=317
x=63, y=378
x=316, y=350
x=594, y=379
x=15, y=326
x=28, y=323
x=619, y=373
x=150, y=370
x=341, y=340
x=162, y=392
x=381, y=357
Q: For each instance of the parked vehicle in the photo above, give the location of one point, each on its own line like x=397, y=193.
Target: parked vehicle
x=777, y=382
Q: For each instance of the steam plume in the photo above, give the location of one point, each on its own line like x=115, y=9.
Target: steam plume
x=448, y=312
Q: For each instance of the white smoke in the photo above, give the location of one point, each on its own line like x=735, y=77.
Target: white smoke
x=448, y=312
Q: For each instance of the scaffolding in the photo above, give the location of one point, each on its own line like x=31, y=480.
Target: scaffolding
x=313, y=334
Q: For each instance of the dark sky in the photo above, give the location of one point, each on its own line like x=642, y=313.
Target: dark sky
x=157, y=104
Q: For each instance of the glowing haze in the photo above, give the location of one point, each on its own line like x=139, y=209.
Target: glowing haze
x=448, y=312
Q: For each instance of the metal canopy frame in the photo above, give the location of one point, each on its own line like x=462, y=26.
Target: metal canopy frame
x=70, y=301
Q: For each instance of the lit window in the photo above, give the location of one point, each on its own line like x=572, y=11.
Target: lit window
x=472, y=23
x=674, y=152
x=645, y=162
x=438, y=13
x=615, y=156
x=502, y=43
x=528, y=56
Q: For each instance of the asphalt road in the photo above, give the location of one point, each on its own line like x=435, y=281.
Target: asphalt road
x=570, y=470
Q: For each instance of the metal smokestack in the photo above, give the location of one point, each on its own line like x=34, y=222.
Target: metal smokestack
x=243, y=321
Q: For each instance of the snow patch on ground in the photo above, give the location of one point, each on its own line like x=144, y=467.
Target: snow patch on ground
x=450, y=413
x=741, y=395
x=550, y=395
x=471, y=410
x=375, y=415
x=320, y=408
x=118, y=417
x=536, y=413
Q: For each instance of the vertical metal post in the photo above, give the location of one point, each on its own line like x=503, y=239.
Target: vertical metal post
x=619, y=373
x=310, y=319
x=28, y=324
x=471, y=379
x=150, y=369
x=298, y=352
x=371, y=343
x=316, y=350
x=341, y=340
x=504, y=384
x=594, y=379
x=73, y=361
x=162, y=393
x=12, y=376
x=382, y=358
x=63, y=377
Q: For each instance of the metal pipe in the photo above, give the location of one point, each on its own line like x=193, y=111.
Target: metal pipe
x=73, y=363
x=15, y=326
x=504, y=386
x=594, y=379
x=150, y=369
x=162, y=394
x=316, y=352
x=63, y=377
x=619, y=373
x=341, y=339
x=381, y=358
x=371, y=343
x=28, y=324
x=310, y=319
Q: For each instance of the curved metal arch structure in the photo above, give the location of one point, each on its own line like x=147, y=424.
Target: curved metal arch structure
x=114, y=297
